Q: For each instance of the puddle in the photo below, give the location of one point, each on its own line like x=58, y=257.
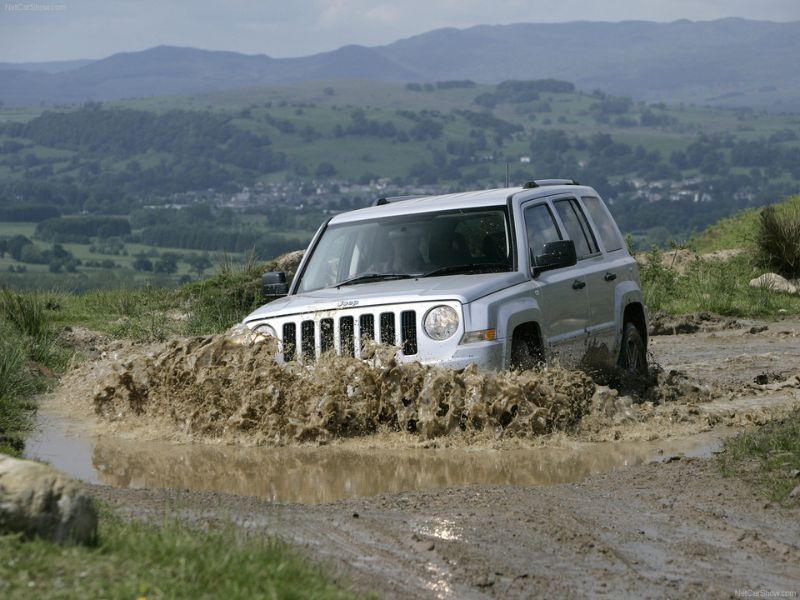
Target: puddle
x=317, y=475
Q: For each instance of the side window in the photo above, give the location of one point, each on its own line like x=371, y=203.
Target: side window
x=541, y=227
x=605, y=227
x=577, y=227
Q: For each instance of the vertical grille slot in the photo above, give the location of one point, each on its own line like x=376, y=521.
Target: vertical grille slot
x=367, y=325
x=347, y=336
x=408, y=331
x=325, y=335
x=307, y=345
x=387, y=329
x=289, y=341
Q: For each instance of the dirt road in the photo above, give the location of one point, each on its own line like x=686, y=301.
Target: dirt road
x=668, y=529
x=653, y=531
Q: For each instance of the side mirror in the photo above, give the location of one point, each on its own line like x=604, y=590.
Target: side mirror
x=555, y=255
x=273, y=285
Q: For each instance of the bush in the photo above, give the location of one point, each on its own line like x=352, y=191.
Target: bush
x=26, y=312
x=221, y=301
x=778, y=238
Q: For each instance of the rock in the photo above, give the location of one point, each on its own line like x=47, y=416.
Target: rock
x=773, y=282
x=36, y=500
x=795, y=493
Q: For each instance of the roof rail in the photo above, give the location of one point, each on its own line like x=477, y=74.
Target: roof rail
x=389, y=199
x=528, y=185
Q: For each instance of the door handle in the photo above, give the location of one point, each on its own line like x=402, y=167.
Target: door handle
x=609, y=276
x=578, y=284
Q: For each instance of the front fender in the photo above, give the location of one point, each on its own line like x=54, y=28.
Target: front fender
x=627, y=292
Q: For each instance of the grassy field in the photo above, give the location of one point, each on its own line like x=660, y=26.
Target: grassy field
x=141, y=561
x=307, y=105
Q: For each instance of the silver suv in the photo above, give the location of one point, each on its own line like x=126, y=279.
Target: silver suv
x=501, y=278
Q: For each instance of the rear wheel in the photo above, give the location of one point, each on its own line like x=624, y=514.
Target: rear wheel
x=632, y=360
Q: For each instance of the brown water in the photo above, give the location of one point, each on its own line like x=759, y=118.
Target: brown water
x=218, y=414
x=314, y=475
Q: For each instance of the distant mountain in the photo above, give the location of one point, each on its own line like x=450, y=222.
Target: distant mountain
x=729, y=62
x=46, y=67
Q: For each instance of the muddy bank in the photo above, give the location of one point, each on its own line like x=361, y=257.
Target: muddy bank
x=223, y=387
x=671, y=530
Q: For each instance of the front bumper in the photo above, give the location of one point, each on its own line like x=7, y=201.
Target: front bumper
x=488, y=356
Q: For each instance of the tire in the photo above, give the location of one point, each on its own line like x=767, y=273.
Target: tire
x=632, y=361
x=525, y=353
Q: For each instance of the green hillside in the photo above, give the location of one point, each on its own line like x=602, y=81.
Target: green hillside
x=737, y=231
x=262, y=168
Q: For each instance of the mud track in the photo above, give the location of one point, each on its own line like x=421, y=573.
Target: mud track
x=670, y=529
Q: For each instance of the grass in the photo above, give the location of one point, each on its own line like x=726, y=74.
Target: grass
x=722, y=286
x=767, y=456
x=29, y=357
x=778, y=237
x=718, y=286
x=737, y=231
x=142, y=561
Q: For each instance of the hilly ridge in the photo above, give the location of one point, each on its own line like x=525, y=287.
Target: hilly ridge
x=728, y=62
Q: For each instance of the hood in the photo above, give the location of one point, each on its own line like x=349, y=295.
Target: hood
x=464, y=288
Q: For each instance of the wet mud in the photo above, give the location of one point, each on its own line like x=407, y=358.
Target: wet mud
x=662, y=323
x=229, y=387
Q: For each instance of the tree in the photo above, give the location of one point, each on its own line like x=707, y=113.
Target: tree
x=3, y=248
x=325, y=169
x=199, y=263
x=142, y=263
x=167, y=263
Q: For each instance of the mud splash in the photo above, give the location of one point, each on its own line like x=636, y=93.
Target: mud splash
x=228, y=387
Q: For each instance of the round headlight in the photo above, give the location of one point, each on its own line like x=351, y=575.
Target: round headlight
x=441, y=322
x=265, y=329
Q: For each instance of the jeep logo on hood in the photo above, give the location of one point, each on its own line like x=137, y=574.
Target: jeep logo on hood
x=346, y=303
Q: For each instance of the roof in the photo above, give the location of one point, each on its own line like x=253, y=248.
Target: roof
x=444, y=202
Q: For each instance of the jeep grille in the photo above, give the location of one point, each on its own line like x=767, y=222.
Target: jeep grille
x=349, y=329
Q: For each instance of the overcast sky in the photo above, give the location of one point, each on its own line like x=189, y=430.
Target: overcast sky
x=41, y=30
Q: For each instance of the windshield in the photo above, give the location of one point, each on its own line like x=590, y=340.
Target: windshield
x=419, y=245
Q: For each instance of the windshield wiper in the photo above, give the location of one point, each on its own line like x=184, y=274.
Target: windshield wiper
x=373, y=277
x=475, y=267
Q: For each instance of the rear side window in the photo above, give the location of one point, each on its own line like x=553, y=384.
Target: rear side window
x=605, y=227
x=577, y=228
x=541, y=227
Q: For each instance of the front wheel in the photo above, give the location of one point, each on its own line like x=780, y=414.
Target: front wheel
x=632, y=360
x=525, y=353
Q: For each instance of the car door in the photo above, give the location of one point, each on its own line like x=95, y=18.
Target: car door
x=602, y=282
x=561, y=296
x=589, y=272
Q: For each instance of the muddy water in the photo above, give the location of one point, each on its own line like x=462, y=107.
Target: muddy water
x=217, y=414
x=316, y=475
